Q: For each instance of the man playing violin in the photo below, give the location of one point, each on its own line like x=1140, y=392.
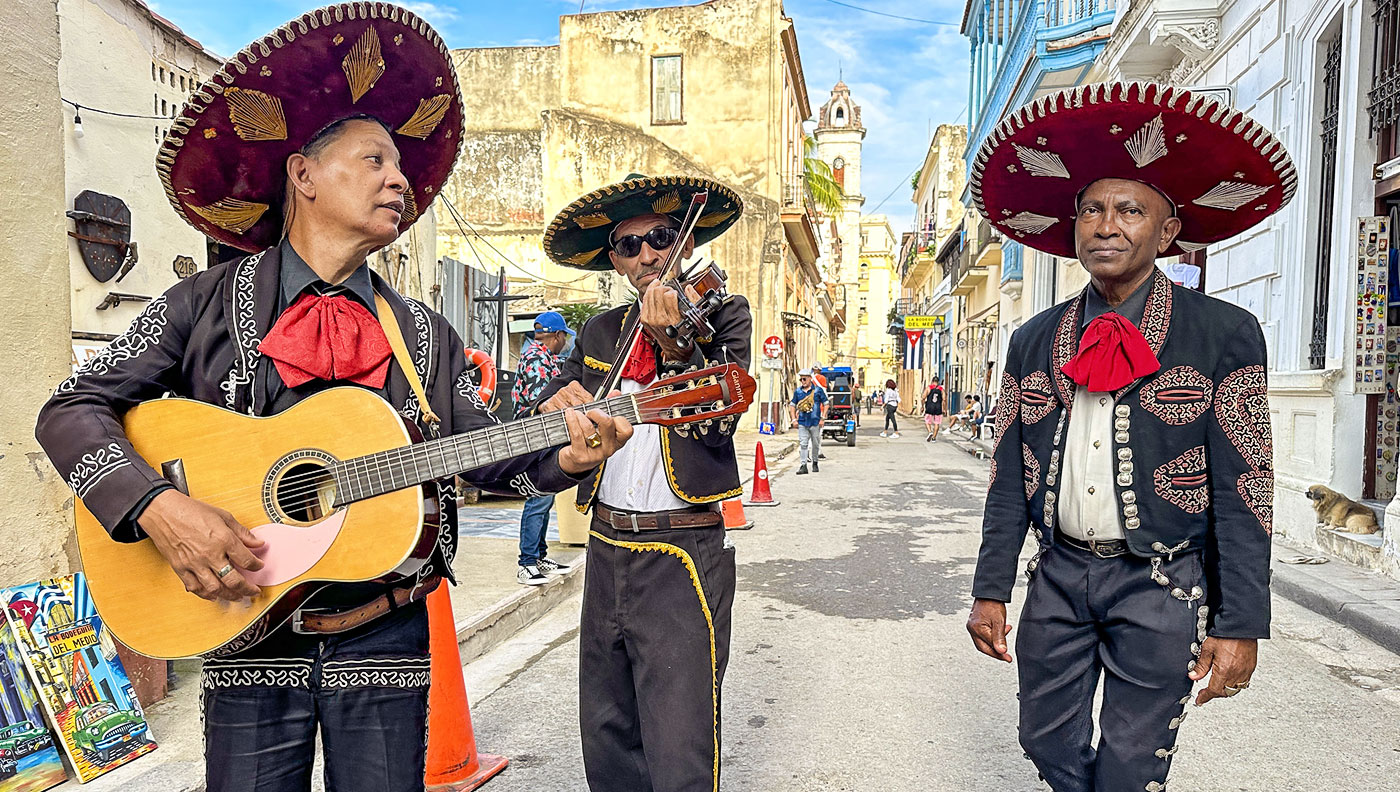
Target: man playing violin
x=654, y=634
x=336, y=156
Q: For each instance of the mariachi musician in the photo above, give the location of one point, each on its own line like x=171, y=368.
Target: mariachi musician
x=310, y=149
x=654, y=639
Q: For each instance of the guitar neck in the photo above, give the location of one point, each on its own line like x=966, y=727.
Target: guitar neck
x=409, y=466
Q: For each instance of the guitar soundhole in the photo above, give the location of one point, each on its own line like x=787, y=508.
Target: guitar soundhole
x=301, y=488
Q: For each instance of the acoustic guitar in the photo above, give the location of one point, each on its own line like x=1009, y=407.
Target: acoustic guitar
x=340, y=487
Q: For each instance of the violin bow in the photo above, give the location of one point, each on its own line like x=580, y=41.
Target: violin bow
x=632, y=332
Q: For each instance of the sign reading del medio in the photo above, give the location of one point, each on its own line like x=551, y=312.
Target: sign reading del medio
x=923, y=322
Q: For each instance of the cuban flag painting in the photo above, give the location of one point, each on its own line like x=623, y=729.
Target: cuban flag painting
x=914, y=350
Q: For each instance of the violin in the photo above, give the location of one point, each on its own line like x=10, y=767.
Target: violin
x=708, y=282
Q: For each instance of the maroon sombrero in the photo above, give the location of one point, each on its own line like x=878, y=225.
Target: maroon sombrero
x=1223, y=170
x=222, y=162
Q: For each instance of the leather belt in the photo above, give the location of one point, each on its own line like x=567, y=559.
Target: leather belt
x=657, y=521
x=321, y=621
x=1111, y=548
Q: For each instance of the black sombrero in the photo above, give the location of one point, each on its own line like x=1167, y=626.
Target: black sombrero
x=578, y=236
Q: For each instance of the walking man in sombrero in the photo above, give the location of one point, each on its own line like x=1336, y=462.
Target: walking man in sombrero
x=654, y=636
x=1133, y=431
x=317, y=145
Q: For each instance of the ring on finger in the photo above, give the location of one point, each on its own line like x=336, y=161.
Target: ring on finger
x=594, y=440
x=224, y=571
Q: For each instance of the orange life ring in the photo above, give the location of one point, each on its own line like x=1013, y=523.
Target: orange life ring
x=486, y=373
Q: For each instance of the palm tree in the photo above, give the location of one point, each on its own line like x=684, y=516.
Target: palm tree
x=826, y=193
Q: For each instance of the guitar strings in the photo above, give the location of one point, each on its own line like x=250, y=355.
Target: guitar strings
x=297, y=488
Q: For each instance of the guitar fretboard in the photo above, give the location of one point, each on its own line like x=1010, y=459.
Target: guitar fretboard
x=400, y=468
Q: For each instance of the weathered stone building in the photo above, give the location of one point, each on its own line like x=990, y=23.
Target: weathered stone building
x=713, y=89
x=840, y=136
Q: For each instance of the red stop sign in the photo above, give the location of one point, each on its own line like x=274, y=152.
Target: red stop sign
x=772, y=347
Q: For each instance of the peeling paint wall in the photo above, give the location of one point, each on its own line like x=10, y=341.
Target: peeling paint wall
x=35, y=512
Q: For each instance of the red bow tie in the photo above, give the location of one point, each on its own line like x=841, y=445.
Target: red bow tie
x=641, y=363
x=1112, y=353
x=329, y=338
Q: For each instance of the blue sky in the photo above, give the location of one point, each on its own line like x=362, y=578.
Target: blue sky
x=907, y=76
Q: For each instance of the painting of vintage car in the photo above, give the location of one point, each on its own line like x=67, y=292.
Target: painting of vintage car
x=21, y=739
x=103, y=732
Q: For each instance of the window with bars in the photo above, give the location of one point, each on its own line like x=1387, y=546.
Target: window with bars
x=1385, y=79
x=666, y=86
x=1327, y=181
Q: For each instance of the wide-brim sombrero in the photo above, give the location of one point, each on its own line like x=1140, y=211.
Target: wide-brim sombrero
x=578, y=235
x=1223, y=170
x=223, y=160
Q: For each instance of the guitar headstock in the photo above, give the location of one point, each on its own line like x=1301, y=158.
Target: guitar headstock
x=697, y=396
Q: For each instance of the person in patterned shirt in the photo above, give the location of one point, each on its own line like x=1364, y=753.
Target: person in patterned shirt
x=539, y=364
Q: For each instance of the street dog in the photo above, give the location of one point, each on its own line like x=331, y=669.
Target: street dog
x=1336, y=510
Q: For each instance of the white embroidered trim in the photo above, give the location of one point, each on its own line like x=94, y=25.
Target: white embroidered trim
x=408, y=672
x=526, y=487
x=95, y=466
x=467, y=390
x=288, y=672
x=245, y=332
x=423, y=329
x=145, y=332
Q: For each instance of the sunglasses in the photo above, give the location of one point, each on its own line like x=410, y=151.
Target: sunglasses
x=659, y=238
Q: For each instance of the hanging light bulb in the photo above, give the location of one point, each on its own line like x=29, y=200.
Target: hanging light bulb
x=77, y=122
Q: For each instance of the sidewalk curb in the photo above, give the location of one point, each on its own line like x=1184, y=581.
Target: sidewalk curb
x=1377, y=620
x=492, y=626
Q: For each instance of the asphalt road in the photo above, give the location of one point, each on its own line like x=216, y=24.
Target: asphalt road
x=851, y=668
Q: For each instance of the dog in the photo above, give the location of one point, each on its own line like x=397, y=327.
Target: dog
x=1336, y=510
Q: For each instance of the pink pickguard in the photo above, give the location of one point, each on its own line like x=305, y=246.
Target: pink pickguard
x=290, y=550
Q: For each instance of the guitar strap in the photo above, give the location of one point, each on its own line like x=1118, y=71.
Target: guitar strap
x=395, y=336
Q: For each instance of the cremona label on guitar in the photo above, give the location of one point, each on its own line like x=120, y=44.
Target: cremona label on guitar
x=339, y=487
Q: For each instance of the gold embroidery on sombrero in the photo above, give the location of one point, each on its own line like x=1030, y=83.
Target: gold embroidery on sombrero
x=364, y=65
x=231, y=214
x=1148, y=144
x=1231, y=195
x=211, y=133
x=713, y=219
x=580, y=259
x=1041, y=163
x=410, y=207
x=669, y=202
x=425, y=119
x=1031, y=223
x=255, y=115
x=593, y=220
x=1190, y=247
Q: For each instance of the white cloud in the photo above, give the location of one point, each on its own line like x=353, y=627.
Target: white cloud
x=433, y=12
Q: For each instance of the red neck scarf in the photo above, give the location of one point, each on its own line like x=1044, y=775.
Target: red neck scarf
x=1112, y=353
x=641, y=363
x=328, y=338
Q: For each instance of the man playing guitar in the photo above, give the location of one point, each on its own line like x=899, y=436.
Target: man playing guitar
x=350, y=147
x=654, y=637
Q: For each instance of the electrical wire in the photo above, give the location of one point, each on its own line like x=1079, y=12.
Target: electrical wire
x=463, y=226
x=81, y=107
x=894, y=16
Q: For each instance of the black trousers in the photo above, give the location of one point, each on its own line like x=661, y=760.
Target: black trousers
x=653, y=646
x=365, y=690
x=890, y=422
x=1119, y=619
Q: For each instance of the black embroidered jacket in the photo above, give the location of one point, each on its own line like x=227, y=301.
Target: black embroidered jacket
x=200, y=340
x=1192, y=448
x=699, y=458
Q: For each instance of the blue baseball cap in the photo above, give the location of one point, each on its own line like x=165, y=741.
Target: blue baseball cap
x=551, y=322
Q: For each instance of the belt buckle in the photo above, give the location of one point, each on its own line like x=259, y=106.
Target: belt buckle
x=1094, y=545
x=295, y=623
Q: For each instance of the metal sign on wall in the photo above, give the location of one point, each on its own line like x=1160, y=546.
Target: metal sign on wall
x=1372, y=282
x=103, y=230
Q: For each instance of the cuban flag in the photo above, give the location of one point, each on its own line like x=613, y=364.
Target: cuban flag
x=914, y=350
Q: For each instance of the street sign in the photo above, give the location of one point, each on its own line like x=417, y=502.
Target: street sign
x=771, y=363
x=922, y=322
x=772, y=347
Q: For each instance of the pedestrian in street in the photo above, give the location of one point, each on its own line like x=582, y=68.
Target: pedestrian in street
x=309, y=163
x=1151, y=499
x=808, y=407
x=820, y=380
x=654, y=632
x=890, y=398
x=539, y=364
x=933, y=410
x=856, y=399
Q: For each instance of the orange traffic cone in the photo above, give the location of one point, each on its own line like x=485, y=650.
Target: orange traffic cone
x=734, y=520
x=762, y=495
x=452, y=762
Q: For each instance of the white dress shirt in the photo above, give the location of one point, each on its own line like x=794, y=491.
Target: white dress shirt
x=1088, y=508
x=634, y=479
